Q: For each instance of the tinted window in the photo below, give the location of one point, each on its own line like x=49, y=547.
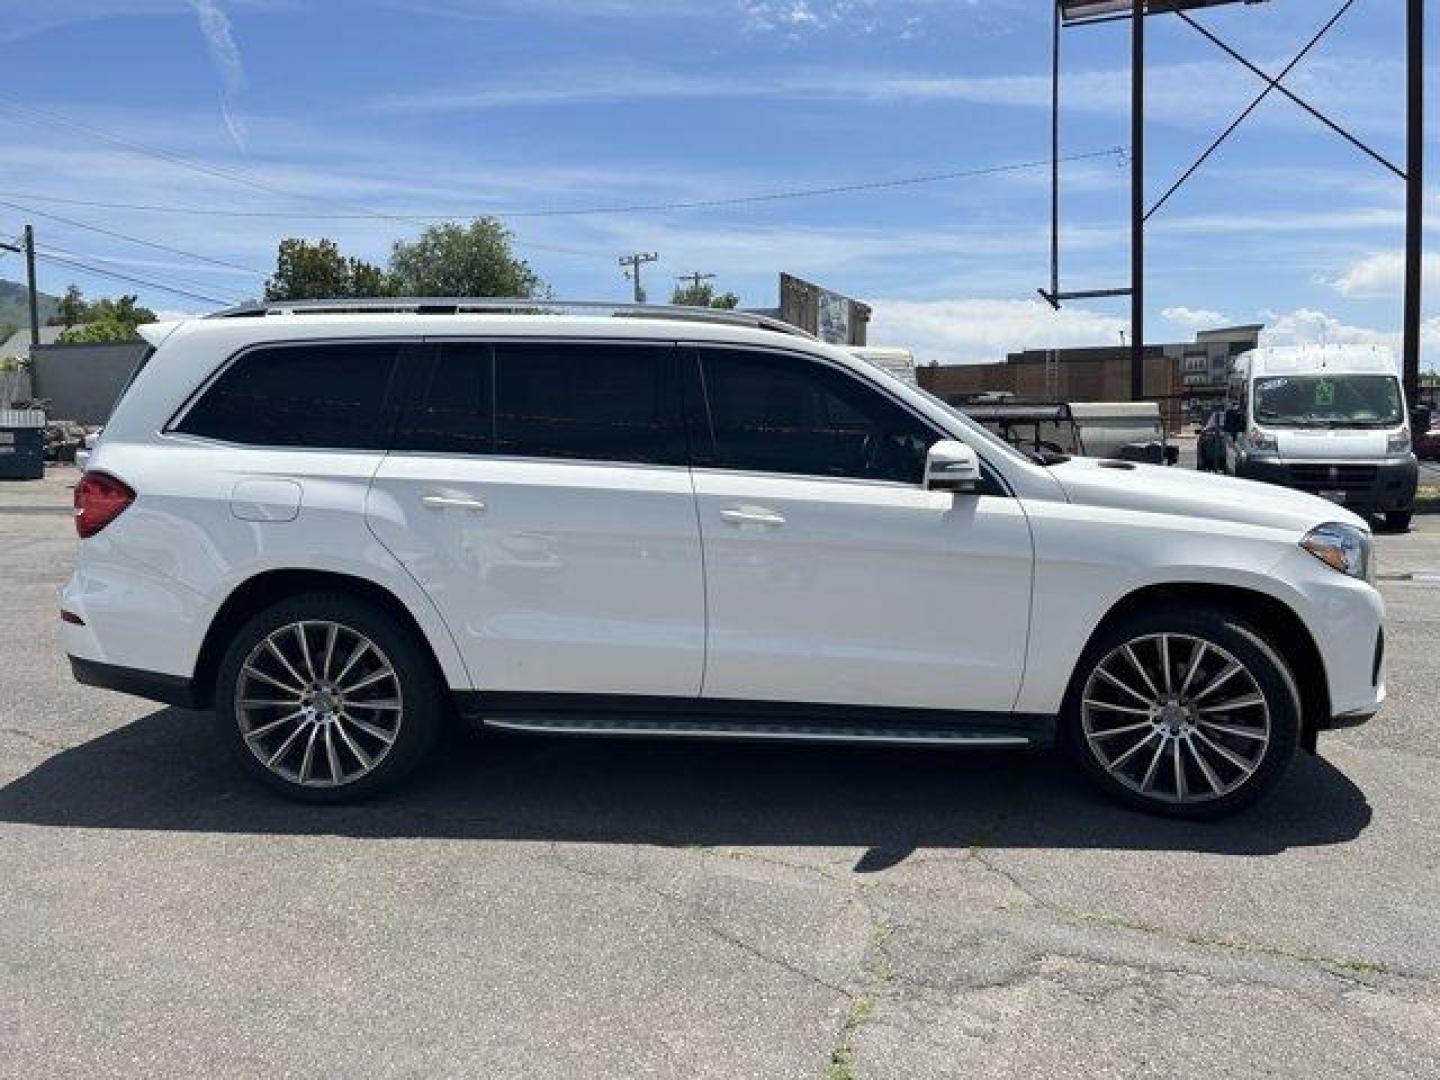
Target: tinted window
x=329, y=396
x=775, y=413
x=453, y=408
x=601, y=402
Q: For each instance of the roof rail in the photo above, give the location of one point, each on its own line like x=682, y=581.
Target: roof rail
x=487, y=305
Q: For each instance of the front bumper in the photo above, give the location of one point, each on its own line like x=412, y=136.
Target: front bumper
x=1369, y=486
x=1346, y=620
x=1348, y=720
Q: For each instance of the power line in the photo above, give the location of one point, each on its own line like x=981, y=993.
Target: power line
x=78, y=265
x=132, y=239
x=26, y=245
x=805, y=193
x=184, y=162
x=632, y=208
x=113, y=260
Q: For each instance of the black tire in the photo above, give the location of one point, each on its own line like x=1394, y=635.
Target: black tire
x=1223, y=633
x=419, y=704
x=1398, y=520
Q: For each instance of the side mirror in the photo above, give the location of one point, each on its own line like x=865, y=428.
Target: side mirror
x=952, y=466
x=1234, y=422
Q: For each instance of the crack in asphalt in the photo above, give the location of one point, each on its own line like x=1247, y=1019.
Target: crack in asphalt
x=692, y=915
x=38, y=740
x=1347, y=969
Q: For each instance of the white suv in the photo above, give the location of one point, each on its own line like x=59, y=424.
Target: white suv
x=337, y=528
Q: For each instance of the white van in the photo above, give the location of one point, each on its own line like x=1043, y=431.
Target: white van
x=1327, y=419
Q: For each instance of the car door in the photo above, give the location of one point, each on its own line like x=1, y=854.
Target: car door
x=832, y=574
x=539, y=492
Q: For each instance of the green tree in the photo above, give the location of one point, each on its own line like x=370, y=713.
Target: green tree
x=317, y=270
x=71, y=309
x=99, y=331
x=106, y=320
x=451, y=259
x=367, y=279
x=125, y=311
x=702, y=294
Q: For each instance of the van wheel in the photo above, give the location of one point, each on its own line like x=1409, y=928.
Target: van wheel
x=1398, y=520
x=324, y=699
x=1186, y=713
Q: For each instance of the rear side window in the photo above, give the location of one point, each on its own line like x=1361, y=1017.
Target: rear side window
x=770, y=412
x=453, y=411
x=601, y=402
x=330, y=396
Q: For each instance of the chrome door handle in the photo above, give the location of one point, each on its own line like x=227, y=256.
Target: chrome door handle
x=751, y=515
x=451, y=502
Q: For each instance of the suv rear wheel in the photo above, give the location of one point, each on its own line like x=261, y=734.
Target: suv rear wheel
x=324, y=699
x=1185, y=713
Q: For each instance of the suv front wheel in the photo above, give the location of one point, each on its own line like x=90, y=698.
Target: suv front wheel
x=325, y=699
x=1185, y=713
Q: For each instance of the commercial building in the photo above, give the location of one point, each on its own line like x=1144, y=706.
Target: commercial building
x=1188, y=376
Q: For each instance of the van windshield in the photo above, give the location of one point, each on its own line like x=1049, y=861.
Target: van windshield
x=1328, y=401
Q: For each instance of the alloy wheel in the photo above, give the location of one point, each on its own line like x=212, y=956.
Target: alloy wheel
x=318, y=703
x=1175, y=718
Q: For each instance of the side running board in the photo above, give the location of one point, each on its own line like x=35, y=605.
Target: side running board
x=661, y=718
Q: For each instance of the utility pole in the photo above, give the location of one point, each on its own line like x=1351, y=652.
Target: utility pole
x=1137, y=201
x=30, y=280
x=1414, y=196
x=695, y=279
x=634, y=262
x=27, y=247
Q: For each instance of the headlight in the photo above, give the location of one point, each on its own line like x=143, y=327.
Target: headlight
x=1261, y=444
x=1341, y=547
x=1398, y=442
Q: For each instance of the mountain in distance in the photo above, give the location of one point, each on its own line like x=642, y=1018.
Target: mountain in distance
x=15, y=307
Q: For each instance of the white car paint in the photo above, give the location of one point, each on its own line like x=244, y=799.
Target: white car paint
x=868, y=593
x=593, y=577
x=552, y=575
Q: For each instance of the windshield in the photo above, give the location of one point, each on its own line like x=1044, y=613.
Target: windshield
x=977, y=428
x=1328, y=401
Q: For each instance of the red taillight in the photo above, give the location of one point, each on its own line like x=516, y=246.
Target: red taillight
x=99, y=500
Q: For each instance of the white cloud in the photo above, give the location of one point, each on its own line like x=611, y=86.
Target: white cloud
x=55, y=15
x=1381, y=274
x=215, y=26
x=484, y=10
x=1195, y=318
x=902, y=18
x=1311, y=326
x=976, y=330
x=1368, y=97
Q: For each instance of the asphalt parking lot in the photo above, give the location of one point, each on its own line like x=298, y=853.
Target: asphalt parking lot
x=584, y=908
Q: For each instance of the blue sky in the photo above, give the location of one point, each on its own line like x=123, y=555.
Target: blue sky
x=311, y=109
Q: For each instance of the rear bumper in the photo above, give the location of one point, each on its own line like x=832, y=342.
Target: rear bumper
x=168, y=689
x=1368, y=486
